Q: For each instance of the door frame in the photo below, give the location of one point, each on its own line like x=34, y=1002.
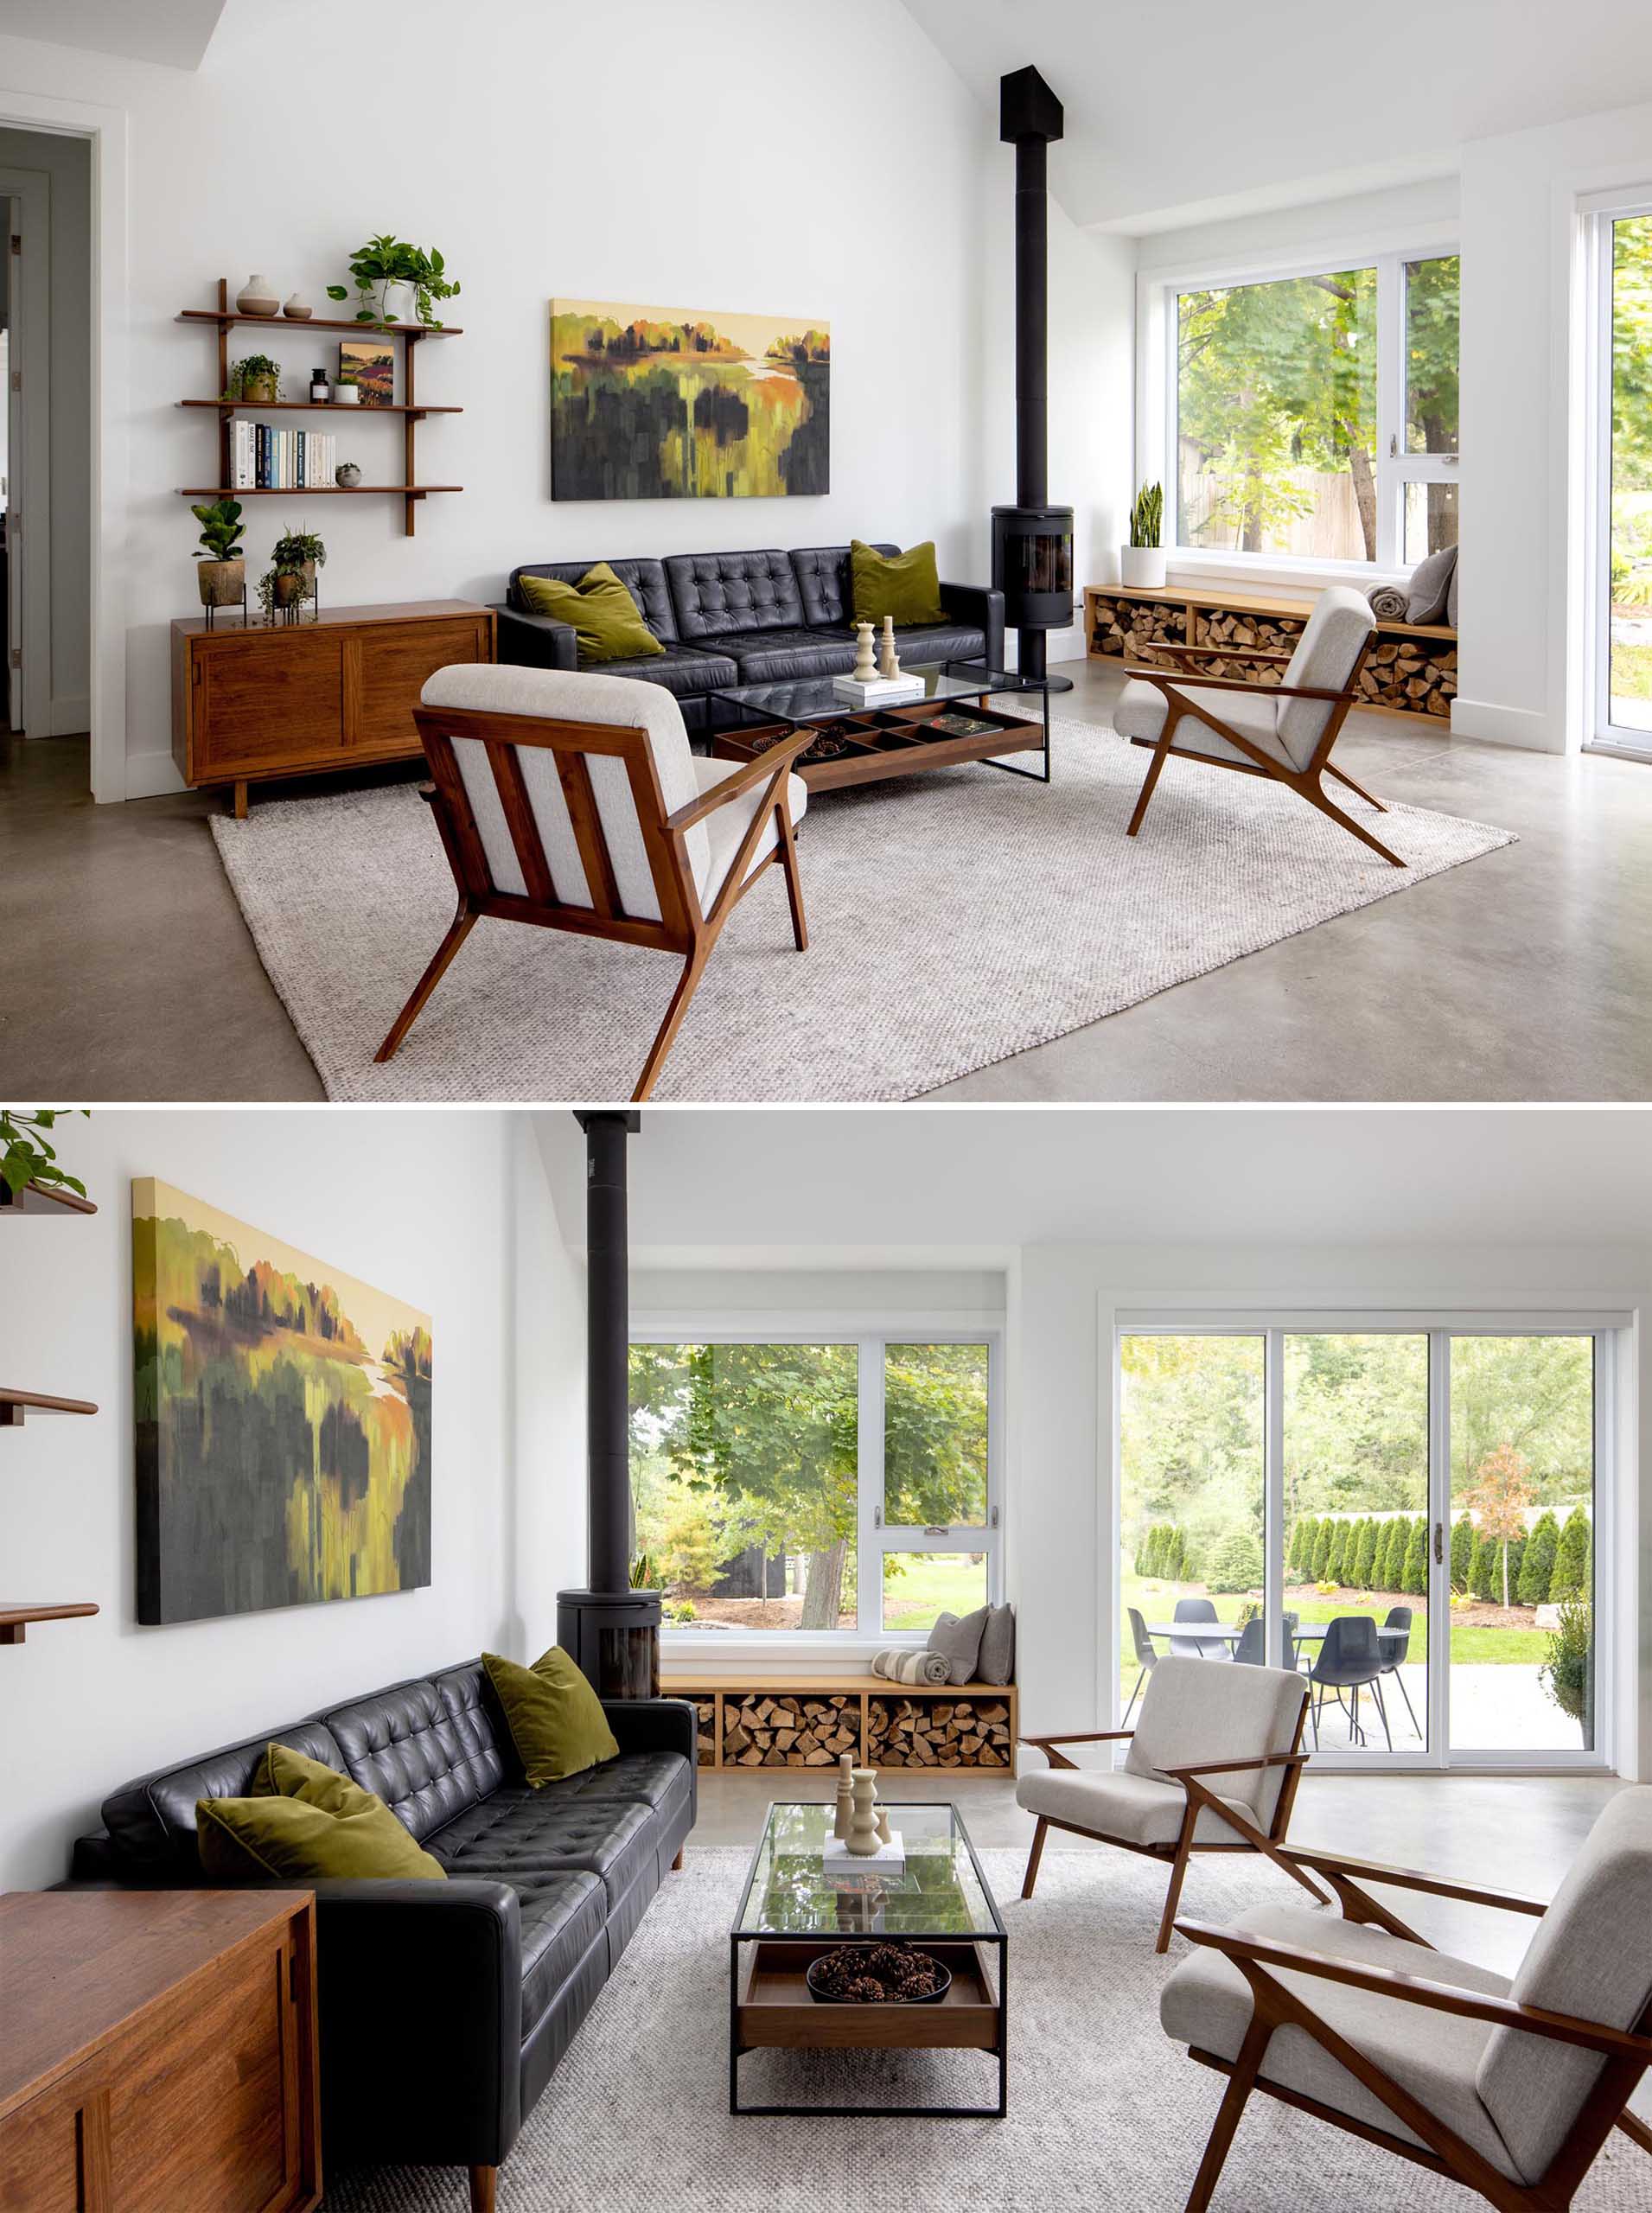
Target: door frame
x=1601, y=212
x=107, y=130
x=1272, y=1325
x=29, y=192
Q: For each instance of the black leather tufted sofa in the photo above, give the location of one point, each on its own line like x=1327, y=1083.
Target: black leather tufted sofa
x=444, y=2007
x=751, y=618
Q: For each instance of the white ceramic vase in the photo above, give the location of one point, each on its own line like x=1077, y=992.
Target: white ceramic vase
x=257, y=296
x=346, y=395
x=862, y=1840
x=296, y=308
x=865, y=656
x=846, y=1797
x=1142, y=567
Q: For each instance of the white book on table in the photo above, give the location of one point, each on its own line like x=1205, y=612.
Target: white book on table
x=889, y=1858
x=882, y=691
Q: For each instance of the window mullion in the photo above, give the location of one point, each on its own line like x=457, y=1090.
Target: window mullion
x=1390, y=405
x=869, y=1487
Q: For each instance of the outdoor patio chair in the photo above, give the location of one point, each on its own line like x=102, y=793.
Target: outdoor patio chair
x=1350, y=1660
x=1147, y=1655
x=1393, y=1642
x=1213, y=1766
x=1283, y=732
x=1251, y=1651
x=1508, y=2087
x=1195, y=1609
x=573, y=802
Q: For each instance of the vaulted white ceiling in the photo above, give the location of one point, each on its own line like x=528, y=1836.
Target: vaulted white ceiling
x=783, y=1188
x=1180, y=110
x=175, y=32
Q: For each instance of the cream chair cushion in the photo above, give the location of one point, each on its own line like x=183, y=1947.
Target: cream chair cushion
x=729, y=824
x=575, y=696
x=1133, y=1807
x=1591, y=1957
x=1324, y=658
x=1142, y=708
x=1206, y=2004
x=1196, y=1710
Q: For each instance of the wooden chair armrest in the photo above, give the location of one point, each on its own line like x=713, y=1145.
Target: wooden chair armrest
x=1220, y=652
x=1047, y=1745
x=765, y=764
x=1413, y=1879
x=1236, y=1767
x=1417, y=1990
x=1168, y=683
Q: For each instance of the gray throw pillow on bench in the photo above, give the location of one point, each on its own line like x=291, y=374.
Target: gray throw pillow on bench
x=996, y=1662
x=958, y=1643
x=1431, y=586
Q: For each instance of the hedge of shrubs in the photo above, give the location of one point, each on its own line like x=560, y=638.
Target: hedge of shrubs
x=1550, y=1564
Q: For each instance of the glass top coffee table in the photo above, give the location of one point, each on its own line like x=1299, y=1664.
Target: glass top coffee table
x=951, y=722
x=791, y=1910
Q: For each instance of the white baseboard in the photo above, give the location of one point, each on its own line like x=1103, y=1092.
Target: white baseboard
x=1519, y=726
x=149, y=775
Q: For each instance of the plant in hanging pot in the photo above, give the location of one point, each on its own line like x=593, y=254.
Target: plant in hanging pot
x=1141, y=563
x=257, y=380
x=387, y=265
x=222, y=573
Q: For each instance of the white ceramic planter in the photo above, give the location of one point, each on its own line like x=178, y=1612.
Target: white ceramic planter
x=1142, y=567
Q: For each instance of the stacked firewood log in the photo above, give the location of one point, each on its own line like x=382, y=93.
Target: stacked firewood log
x=1418, y=674
x=797, y=1732
x=1264, y=634
x=938, y=1732
x=1133, y=627
x=705, y=1732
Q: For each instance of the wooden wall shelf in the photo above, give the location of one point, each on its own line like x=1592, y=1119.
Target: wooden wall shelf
x=13, y=1404
x=15, y=1619
x=224, y=318
x=881, y=1724
x=41, y=1198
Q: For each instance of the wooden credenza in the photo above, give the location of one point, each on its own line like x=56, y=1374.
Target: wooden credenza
x=158, y=2052
x=295, y=700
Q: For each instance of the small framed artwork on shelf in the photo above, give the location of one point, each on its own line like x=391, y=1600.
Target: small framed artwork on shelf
x=370, y=367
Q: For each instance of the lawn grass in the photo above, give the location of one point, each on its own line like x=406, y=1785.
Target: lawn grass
x=930, y=1584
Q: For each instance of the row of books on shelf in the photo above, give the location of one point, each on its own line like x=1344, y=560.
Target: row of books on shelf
x=262, y=459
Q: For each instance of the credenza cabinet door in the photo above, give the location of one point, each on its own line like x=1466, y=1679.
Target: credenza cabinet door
x=55, y=2150
x=384, y=670
x=270, y=702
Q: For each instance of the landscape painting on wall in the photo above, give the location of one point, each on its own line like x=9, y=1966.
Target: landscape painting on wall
x=283, y=1421
x=680, y=404
x=370, y=368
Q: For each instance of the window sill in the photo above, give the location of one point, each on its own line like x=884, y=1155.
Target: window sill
x=797, y=1648
x=1193, y=566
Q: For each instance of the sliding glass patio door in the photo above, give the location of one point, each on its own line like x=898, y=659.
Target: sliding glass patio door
x=1408, y=1516
x=1622, y=447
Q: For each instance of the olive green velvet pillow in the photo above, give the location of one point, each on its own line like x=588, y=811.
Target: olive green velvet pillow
x=904, y=585
x=556, y=1719
x=303, y=1822
x=608, y=623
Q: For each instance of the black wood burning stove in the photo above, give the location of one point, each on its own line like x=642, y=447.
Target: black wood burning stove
x=611, y=1631
x=1032, y=541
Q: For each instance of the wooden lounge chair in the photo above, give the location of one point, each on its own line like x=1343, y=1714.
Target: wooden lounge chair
x=574, y=802
x=1284, y=731
x=1508, y=2087
x=1213, y=1766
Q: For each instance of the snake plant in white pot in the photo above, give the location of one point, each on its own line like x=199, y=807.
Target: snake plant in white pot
x=1141, y=563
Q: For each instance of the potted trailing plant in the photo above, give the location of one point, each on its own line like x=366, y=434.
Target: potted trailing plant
x=1141, y=563
x=1568, y=1674
x=388, y=263
x=27, y=1156
x=223, y=574
x=257, y=379
x=299, y=552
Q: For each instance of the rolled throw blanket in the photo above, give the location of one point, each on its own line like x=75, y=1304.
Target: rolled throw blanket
x=900, y=1666
x=1389, y=603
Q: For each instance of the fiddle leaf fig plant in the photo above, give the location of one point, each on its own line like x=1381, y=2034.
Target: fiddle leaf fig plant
x=221, y=528
x=26, y=1154
x=388, y=260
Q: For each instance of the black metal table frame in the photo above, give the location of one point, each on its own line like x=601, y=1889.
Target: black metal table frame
x=959, y=670
x=998, y=1937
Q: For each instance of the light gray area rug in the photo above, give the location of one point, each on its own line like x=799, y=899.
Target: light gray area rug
x=955, y=918
x=1104, y=2112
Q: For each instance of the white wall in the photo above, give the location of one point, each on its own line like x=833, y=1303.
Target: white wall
x=449, y=1211
x=66, y=166
x=772, y=162
x=1063, y=1417
x=824, y=1290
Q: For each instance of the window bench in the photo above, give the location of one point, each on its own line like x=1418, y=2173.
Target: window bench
x=751, y=1718
x=1410, y=672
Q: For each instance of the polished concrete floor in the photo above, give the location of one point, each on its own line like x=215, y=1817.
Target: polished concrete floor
x=1516, y=1834
x=126, y=971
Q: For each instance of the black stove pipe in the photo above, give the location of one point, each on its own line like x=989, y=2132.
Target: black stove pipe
x=1031, y=323
x=608, y=1336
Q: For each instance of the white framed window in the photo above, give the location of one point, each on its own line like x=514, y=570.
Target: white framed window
x=1620, y=445
x=795, y=1480
x=1310, y=413
x=1435, y=1490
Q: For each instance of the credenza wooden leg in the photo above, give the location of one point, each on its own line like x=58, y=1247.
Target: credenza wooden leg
x=240, y=799
x=484, y=2183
